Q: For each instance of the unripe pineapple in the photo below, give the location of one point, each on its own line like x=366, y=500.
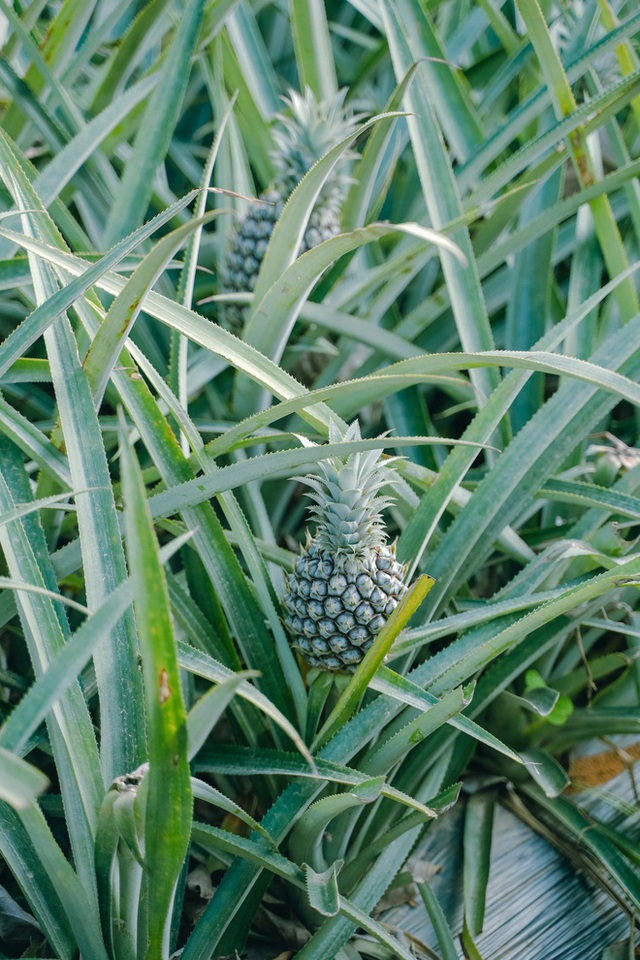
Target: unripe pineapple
x=347, y=581
x=306, y=130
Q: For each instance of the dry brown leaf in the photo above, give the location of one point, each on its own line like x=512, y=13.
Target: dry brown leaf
x=594, y=769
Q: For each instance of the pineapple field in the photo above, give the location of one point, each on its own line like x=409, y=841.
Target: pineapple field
x=319, y=479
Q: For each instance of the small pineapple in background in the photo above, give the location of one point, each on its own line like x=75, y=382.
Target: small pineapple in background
x=347, y=581
x=305, y=131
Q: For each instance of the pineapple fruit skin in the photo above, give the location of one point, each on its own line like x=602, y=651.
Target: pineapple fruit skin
x=304, y=132
x=252, y=236
x=337, y=604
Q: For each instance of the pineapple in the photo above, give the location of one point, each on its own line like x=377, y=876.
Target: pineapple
x=306, y=130
x=347, y=581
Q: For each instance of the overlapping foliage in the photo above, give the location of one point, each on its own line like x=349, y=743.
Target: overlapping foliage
x=480, y=304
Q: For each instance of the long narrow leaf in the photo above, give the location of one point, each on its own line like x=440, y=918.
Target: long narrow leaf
x=104, y=570
x=21, y=783
x=169, y=800
x=155, y=130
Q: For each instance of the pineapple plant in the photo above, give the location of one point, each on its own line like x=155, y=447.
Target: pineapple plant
x=347, y=580
x=534, y=552
x=304, y=132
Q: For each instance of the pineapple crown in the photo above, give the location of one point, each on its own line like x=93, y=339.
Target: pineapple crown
x=347, y=506
x=307, y=129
